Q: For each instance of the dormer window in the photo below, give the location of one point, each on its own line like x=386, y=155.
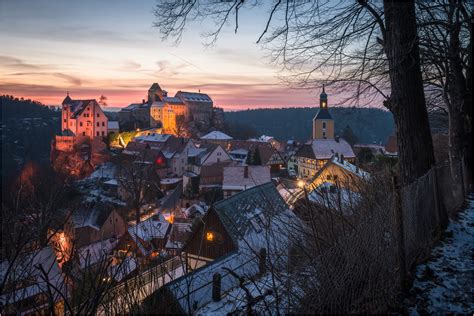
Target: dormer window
x=324, y=125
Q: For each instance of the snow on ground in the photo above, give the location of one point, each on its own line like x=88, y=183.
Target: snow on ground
x=445, y=284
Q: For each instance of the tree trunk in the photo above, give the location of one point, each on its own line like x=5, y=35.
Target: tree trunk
x=457, y=91
x=407, y=100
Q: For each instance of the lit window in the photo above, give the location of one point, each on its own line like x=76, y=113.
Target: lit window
x=210, y=236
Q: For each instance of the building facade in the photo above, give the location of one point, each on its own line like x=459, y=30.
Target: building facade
x=83, y=118
x=313, y=155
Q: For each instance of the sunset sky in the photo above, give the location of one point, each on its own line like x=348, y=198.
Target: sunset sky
x=91, y=48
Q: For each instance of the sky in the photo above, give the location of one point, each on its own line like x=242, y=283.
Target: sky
x=92, y=48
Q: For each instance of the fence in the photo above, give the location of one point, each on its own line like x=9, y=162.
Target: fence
x=123, y=297
x=364, y=269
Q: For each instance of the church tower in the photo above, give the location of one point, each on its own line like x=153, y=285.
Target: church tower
x=323, y=124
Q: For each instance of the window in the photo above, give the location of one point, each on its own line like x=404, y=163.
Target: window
x=97, y=133
x=64, y=120
x=80, y=124
x=83, y=133
x=98, y=124
x=103, y=133
x=103, y=123
x=98, y=115
x=324, y=124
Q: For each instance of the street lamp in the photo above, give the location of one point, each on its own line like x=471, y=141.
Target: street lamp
x=300, y=184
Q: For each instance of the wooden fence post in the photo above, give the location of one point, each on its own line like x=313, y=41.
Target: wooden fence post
x=400, y=230
x=441, y=211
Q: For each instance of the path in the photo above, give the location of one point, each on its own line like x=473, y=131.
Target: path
x=445, y=284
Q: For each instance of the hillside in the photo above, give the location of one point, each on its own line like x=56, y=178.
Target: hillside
x=27, y=128
x=369, y=125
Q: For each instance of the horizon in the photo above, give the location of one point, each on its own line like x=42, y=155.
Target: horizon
x=114, y=51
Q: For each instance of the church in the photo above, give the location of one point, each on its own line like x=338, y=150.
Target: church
x=313, y=155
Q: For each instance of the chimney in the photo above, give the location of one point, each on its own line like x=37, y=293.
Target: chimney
x=337, y=138
x=342, y=158
x=143, y=101
x=246, y=172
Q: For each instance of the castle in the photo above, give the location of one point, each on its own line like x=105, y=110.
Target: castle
x=169, y=113
x=83, y=118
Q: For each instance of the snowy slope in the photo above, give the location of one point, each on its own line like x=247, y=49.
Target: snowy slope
x=445, y=284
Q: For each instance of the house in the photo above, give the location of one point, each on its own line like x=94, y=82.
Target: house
x=152, y=231
x=313, y=155
x=83, y=118
x=239, y=234
x=216, y=135
x=240, y=178
x=376, y=150
x=113, y=127
x=336, y=175
x=212, y=175
x=180, y=232
x=135, y=115
x=247, y=151
x=271, y=140
x=205, y=154
x=33, y=284
x=175, y=150
x=93, y=222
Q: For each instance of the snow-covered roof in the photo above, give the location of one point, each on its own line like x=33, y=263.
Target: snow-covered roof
x=326, y=148
x=96, y=252
x=179, y=234
x=119, y=271
x=256, y=218
x=92, y=214
x=350, y=167
x=239, y=151
x=170, y=180
x=216, y=135
x=332, y=197
x=262, y=138
x=104, y=171
x=155, y=227
x=26, y=267
x=153, y=137
x=244, y=177
x=113, y=125
x=193, y=96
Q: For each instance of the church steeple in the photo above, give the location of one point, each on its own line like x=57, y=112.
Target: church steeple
x=323, y=99
x=323, y=124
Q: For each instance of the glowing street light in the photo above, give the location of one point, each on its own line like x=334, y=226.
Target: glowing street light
x=301, y=184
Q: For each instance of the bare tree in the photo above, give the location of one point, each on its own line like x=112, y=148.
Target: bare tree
x=445, y=41
x=138, y=178
x=103, y=100
x=357, y=42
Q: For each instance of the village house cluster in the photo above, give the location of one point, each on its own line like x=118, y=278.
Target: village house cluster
x=199, y=206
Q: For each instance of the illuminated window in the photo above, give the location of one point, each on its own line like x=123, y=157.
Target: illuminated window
x=210, y=236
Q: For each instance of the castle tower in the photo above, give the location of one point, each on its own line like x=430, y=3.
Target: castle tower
x=323, y=124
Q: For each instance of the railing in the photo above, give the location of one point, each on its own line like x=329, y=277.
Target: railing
x=121, y=298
